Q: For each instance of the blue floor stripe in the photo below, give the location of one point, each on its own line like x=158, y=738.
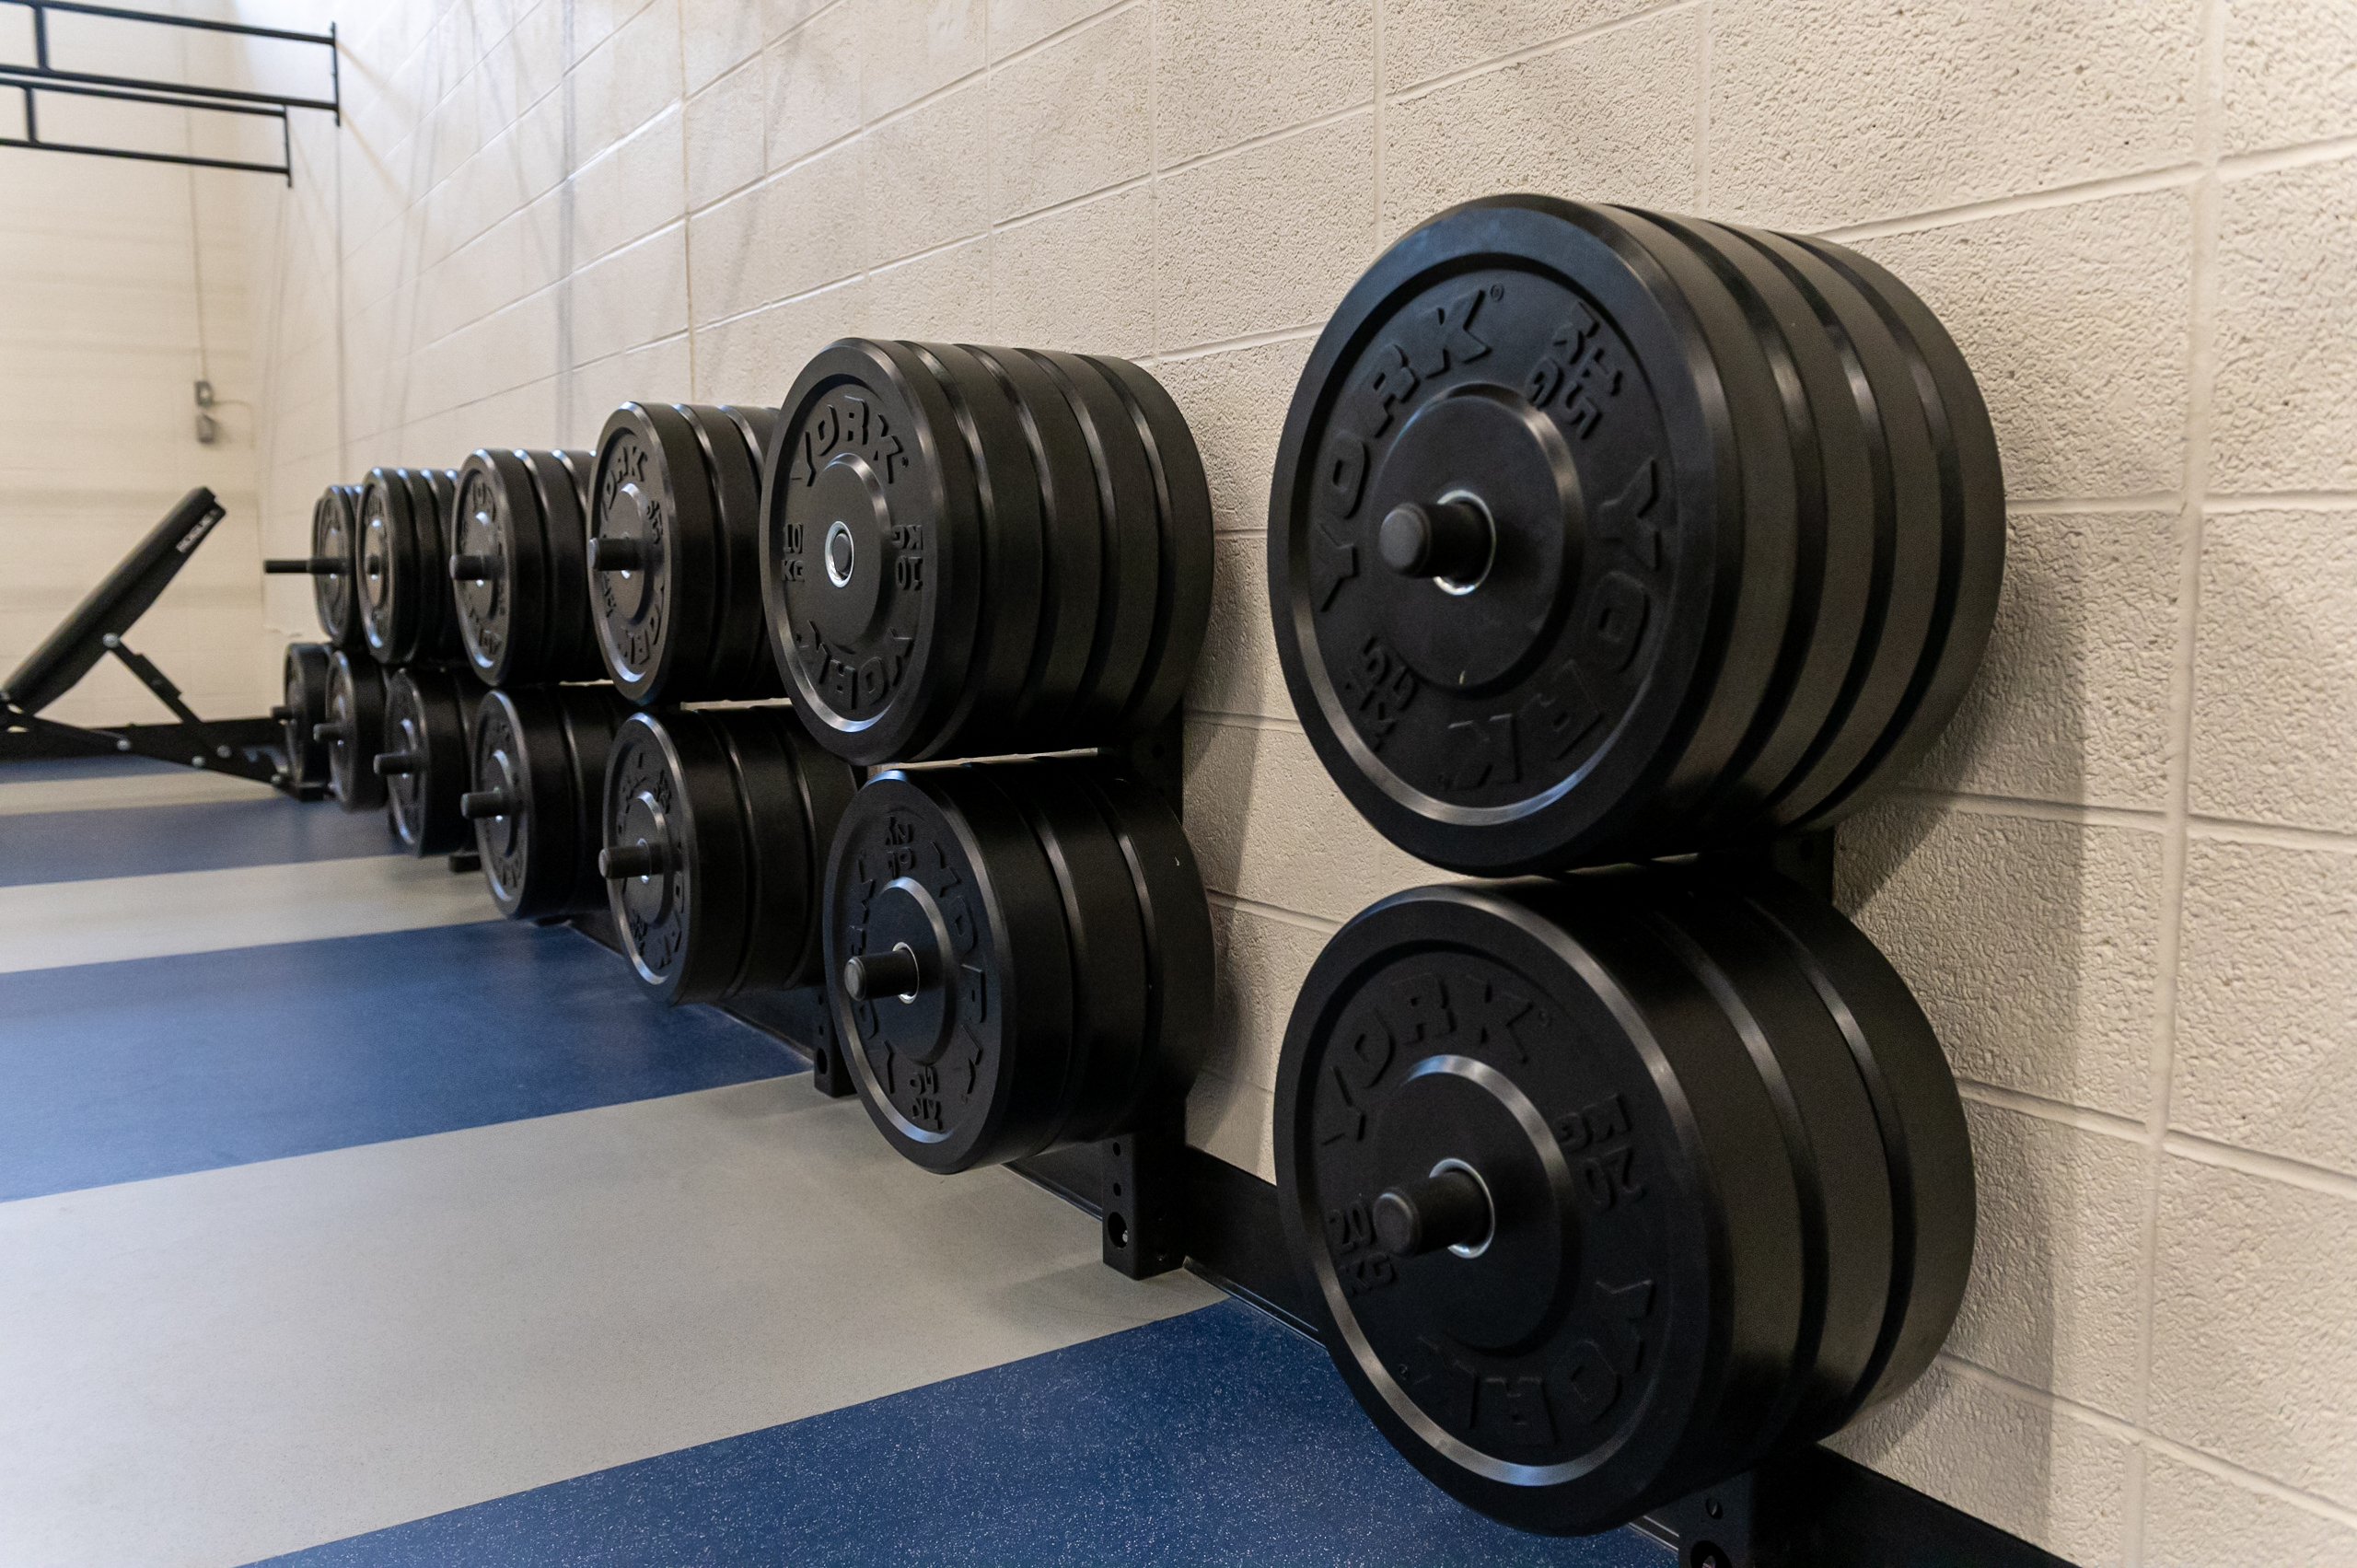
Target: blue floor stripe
x=45, y=769
x=1212, y=1437
x=77, y=846
x=157, y=1066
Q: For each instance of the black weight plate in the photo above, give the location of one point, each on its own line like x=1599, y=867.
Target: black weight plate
x=827, y=785
x=500, y=541
x=1831, y=1134
x=669, y=790
x=1835, y=565
x=1072, y=531
x=355, y=726
x=969, y=1068
x=758, y=675
x=1131, y=584
x=1925, y=1144
x=593, y=717
x=1183, y=604
x=1972, y=505
x=781, y=858
x=391, y=588
x=519, y=797
x=1530, y=715
x=1904, y=597
x=1007, y=487
x=1181, y=966
x=442, y=643
x=563, y=481
x=304, y=682
x=653, y=495
x=1745, y=687
x=427, y=716
x=335, y=536
x=872, y=565
x=1112, y=987
x=1617, y=1335
x=734, y=467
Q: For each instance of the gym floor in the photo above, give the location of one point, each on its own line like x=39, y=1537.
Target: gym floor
x=345, y=1224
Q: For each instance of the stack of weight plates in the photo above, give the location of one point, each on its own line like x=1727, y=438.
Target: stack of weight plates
x=333, y=567
x=519, y=566
x=304, y=707
x=714, y=826
x=1596, y=535
x=968, y=552
x=423, y=759
x=1604, y=1186
x=407, y=610
x=540, y=765
x=674, y=554
x=354, y=730
x=1020, y=956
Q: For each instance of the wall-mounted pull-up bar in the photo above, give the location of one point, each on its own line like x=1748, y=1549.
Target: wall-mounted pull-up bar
x=42, y=76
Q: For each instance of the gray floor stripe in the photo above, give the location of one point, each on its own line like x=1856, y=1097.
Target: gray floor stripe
x=209, y=1368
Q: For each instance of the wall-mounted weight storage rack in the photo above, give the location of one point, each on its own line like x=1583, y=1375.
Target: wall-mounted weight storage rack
x=520, y=567
x=716, y=825
x=424, y=762
x=407, y=610
x=299, y=713
x=535, y=794
x=1597, y=535
x=355, y=730
x=978, y=552
x=673, y=552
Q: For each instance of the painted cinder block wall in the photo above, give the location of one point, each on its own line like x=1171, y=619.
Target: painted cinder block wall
x=2126, y=884
x=120, y=284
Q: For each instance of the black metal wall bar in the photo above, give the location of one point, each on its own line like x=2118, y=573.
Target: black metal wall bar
x=44, y=78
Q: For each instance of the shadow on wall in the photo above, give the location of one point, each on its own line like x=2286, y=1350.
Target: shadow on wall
x=1983, y=915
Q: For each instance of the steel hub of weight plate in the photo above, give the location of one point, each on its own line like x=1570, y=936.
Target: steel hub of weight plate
x=1598, y=1188
x=538, y=769
x=335, y=531
x=518, y=568
x=354, y=726
x=1591, y=539
x=967, y=551
x=1020, y=957
x=713, y=830
x=673, y=552
x=423, y=760
x=406, y=608
x=303, y=706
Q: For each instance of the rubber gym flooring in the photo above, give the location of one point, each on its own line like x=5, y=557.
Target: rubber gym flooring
x=342, y=1223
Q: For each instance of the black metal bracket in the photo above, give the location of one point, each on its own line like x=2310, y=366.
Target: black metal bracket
x=153, y=679
x=1158, y=757
x=801, y=1020
x=1806, y=857
x=247, y=748
x=42, y=76
x=1713, y=1528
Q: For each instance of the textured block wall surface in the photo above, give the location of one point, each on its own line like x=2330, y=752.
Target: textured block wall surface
x=120, y=283
x=2126, y=884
